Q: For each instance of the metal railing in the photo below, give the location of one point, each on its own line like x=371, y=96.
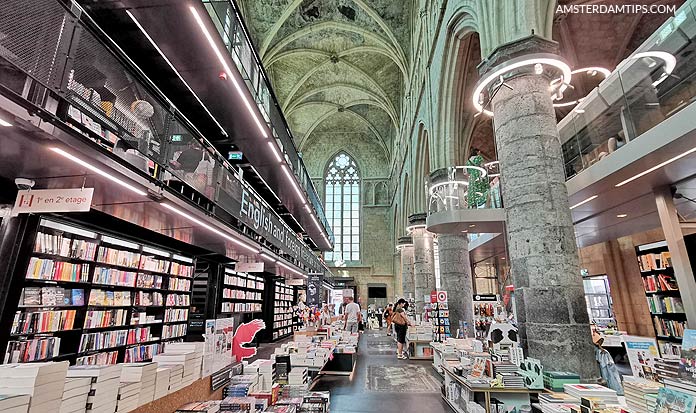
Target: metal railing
x=655, y=82
x=464, y=187
x=231, y=29
x=103, y=98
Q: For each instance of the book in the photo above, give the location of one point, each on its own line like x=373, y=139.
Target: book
x=78, y=297
x=674, y=401
x=32, y=296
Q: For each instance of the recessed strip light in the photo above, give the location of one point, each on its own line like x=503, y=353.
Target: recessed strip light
x=152, y=42
x=584, y=202
x=275, y=151
x=5, y=123
x=230, y=74
x=287, y=267
x=99, y=171
x=656, y=167
x=209, y=228
x=296, y=187
x=267, y=257
x=621, y=215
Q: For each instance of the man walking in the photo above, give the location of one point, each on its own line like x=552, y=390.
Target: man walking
x=351, y=315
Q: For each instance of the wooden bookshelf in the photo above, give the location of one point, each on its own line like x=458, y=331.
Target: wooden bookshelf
x=126, y=298
x=663, y=296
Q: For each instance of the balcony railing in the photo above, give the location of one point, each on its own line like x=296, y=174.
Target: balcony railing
x=226, y=19
x=464, y=187
x=655, y=82
x=103, y=97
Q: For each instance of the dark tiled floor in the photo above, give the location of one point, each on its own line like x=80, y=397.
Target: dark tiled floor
x=381, y=383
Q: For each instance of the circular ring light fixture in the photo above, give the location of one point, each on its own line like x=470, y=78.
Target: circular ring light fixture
x=411, y=228
x=441, y=184
x=668, y=58
x=592, y=71
x=472, y=167
x=531, y=60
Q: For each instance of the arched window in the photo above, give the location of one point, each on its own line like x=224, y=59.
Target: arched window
x=343, y=207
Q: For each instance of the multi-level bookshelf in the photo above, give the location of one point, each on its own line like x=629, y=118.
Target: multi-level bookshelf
x=283, y=311
x=91, y=298
x=241, y=293
x=663, y=297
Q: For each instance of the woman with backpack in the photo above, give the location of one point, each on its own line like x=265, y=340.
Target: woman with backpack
x=401, y=323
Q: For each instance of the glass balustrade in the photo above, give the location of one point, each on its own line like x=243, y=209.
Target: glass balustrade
x=655, y=82
x=464, y=187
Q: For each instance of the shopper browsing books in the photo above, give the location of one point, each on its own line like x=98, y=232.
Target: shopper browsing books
x=351, y=315
x=401, y=323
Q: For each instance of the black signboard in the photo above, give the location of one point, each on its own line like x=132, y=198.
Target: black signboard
x=314, y=289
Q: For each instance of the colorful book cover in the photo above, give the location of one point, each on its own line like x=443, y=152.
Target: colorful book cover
x=32, y=296
x=673, y=401
x=687, y=362
x=78, y=296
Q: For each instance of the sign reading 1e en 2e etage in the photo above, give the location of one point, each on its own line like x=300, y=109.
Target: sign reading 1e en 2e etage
x=53, y=200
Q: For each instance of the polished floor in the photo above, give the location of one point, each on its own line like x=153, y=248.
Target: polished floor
x=381, y=383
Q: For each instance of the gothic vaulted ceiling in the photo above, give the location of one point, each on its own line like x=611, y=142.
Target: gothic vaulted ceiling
x=336, y=65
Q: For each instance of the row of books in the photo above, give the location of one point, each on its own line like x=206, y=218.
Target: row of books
x=655, y=261
x=111, y=276
x=39, y=348
x=47, y=269
x=109, y=298
x=175, y=314
x=671, y=328
x=139, y=335
x=105, y=318
x=52, y=296
x=283, y=297
x=101, y=359
x=660, y=282
x=240, y=281
x=57, y=244
x=178, y=300
x=153, y=264
x=142, y=353
x=145, y=299
x=665, y=305
x=149, y=281
x=115, y=256
x=181, y=270
x=102, y=340
x=179, y=284
x=241, y=294
x=42, y=321
x=142, y=318
x=228, y=307
x=173, y=330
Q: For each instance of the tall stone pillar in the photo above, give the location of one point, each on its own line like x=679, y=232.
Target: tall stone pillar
x=455, y=278
x=423, y=260
x=550, y=301
x=405, y=246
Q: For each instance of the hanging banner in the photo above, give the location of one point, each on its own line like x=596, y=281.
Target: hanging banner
x=53, y=200
x=642, y=352
x=314, y=282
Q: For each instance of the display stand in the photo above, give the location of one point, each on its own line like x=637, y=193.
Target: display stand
x=483, y=395
x=419, y=349
x=484, y=313
x=663, y=297
x=342, y=364
x=91, y=298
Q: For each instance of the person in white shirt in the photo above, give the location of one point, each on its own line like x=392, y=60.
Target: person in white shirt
x=351, y=315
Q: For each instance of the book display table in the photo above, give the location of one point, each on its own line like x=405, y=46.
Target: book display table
x=419, y=349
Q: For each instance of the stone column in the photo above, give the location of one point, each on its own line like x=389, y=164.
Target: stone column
x=405, y=246
x=423, y=260
x=550, y=301
x=455, y=278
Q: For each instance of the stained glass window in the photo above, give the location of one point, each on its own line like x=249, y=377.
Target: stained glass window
x=343, y=208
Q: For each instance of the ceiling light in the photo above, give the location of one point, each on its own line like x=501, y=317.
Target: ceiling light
x=584, y=202
x=538, y=69
x=209, y=227
x=4, y=123
x=287, y=267
x=502, y=258
x=415, y=227
x=472, y=225
x=579, y=110
x=290, y=177
x=466, y=230
x=483, y=83
x=223, y=62
x=99, y=171
x=152, y=42
x=268, y=257
x=656, y=167
x=275, y=151
x=668, y=58
x=591, y=71
x=621, y=215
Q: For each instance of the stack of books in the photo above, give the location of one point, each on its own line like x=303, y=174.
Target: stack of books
x=599, y=394
x=316, y=402
x=162, y=382
x=145, y=374
x=75, y=394
x=176, y=373
x=14, y=403
x=212, y=406
x=103, y=388
x=127, y=397
x=555, y=380
x=284, y=408
x=236, y=390
x=197, y=348
x=267, y=375
x=667, y=368
x=238, y=404
x=298, y=376
x=636, y=392
x=186, y=360
x=44, y=382
x=512, y=380
x=501, y=367
x=558, y=402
